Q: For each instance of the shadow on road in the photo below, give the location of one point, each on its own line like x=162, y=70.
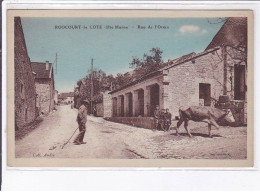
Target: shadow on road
x=196, y=135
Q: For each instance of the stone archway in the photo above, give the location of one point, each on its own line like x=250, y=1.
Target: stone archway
x=122, y=105
x=154, y=98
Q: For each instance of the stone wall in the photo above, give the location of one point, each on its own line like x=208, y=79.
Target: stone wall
x=107, y=104
x=44, y=98
x=144, y=122
x=25, y=94
x=184, y=79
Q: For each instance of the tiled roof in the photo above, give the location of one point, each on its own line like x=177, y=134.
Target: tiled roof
x=179, y=60
x=232, y=33
x=66, y=95
x=189, y=57
x=40, y=69
x=171, y=64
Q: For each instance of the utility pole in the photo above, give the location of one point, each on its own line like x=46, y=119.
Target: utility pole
x=55, y=68
x=91, y=89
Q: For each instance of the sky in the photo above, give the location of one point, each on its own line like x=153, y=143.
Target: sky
x=111, y=49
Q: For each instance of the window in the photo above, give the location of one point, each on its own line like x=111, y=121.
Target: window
x=22, y=91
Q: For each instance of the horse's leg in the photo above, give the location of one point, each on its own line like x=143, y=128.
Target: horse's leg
x=213, y=122
x=178, y=125
x=186, y=127
x=209, y=128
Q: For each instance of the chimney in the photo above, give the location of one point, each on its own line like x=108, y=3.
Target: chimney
x=47, y=65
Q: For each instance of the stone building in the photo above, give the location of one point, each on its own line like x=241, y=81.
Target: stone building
x=56, y=94
x=44, y=82
x=25, y=93
x=194, y=79
x=102, y=103
x=67, y=98
x=233, y=33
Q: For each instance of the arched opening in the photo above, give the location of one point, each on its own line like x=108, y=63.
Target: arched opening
x=122, y=105
x=130, y=105
x=154, y=98
x=140, y=102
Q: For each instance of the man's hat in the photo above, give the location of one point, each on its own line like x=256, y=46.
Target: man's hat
x=86, y=101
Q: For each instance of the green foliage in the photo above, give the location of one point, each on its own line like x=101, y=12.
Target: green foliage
x=101, y=82
x=149, y=63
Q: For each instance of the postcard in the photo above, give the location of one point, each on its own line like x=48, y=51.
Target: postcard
x=130, y=88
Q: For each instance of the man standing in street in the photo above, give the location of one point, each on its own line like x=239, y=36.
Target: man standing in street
x=81, y=119
x=167, y=120
x=157, y=116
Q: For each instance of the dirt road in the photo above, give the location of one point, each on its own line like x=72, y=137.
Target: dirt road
x=113, y=140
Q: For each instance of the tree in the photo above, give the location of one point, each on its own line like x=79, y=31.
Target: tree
x=122, y=80
x=99, y=82
x=149, y=63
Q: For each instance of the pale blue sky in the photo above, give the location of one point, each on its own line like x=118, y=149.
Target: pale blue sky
x=112, y=50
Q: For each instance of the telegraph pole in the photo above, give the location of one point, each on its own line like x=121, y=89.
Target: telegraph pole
x=55, y=68
x=91, y=89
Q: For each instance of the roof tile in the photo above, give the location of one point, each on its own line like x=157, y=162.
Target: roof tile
x=40, y=69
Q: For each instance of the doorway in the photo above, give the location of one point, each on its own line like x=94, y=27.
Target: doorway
x=122, y=111
x=130, y=105
x=154, y=98
x=114, y=107
x=204, y=94
x=239, y=82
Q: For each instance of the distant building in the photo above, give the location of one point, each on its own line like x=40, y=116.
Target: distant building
x=25, y=93
x=67, y=98
x=44, y=82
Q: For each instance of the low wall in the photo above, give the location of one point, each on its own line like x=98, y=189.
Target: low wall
x=144, y=122
x=107, y=103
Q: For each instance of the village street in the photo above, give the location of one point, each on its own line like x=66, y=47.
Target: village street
x=113, y=140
